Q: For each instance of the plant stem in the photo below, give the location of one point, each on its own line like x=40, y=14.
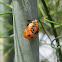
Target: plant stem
x=25, y=50
x=44, y=29
x=58, y=51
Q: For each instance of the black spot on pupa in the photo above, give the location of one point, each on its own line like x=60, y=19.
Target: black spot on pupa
x=32, y=29
x=29, y=23
x=29, y=35
x=36, y=32
x=33, y=26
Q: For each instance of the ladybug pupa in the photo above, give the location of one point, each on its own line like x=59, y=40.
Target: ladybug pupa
x=32, y=30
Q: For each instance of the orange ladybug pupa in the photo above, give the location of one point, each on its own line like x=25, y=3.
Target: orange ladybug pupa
x=31, y=31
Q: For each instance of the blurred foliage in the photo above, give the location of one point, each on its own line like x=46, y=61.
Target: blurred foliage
x=55, y=9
